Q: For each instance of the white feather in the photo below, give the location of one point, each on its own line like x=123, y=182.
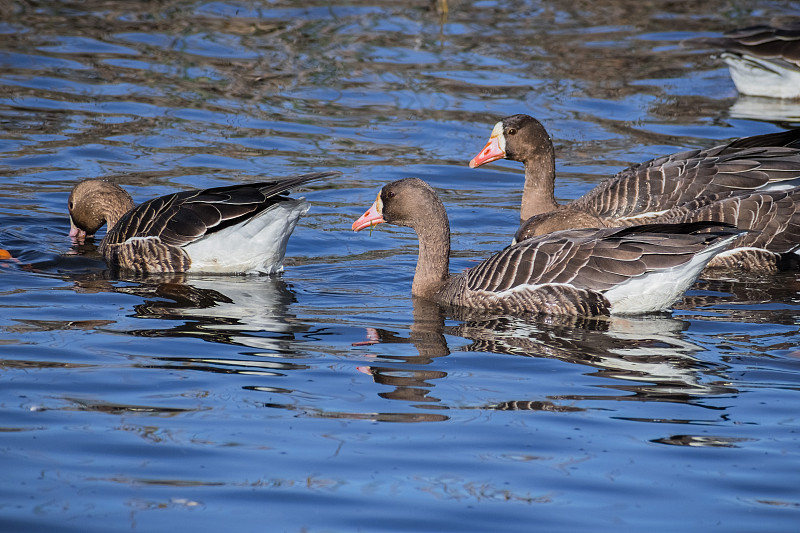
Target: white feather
x=644, y=216
x=147, y=238
x=658, y=290
x=257, y=245
x=759, y=77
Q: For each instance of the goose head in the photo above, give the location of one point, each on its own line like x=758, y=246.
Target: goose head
x=407, y=202
x=518, y=137
x=93, y=203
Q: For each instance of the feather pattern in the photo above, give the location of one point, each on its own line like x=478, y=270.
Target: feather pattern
x=160, y=234
x=772, y=221
x=661, y=184
x=587, y=258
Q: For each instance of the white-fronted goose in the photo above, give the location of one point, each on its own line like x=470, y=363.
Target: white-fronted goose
x=763, y=60
x=771, y=219
x=234, y=229
x=646, y=190
x=589, y=271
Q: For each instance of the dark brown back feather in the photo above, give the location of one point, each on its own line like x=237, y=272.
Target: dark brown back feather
x=671, y=180
x=781, y=43
x=181, y=218
x=593, y=259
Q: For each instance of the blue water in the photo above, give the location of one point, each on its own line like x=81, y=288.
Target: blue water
x=324, y=399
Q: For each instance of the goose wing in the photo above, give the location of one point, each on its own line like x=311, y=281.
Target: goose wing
x=586, y=271
x=592, y=259
x=778, y=44
x=182, y=218
x=771, y=217
x=647, y=190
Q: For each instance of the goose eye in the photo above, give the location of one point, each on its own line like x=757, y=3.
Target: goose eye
x=70, y=204
x=511, y=131
x=390, y=194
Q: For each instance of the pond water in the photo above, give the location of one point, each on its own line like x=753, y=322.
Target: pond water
x=325, y=399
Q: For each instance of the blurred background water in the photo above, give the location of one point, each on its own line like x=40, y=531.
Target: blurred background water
x=324, y=400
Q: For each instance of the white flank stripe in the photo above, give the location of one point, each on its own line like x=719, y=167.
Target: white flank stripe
x=530, y=287
x=644, y=216
x=734, y=251
x=148, y=238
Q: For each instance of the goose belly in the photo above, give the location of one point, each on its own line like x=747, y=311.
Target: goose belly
x=657, y=290
x=759, y=77
x=257, y=245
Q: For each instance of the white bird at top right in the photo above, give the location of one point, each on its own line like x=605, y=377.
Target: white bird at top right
x=763, y=60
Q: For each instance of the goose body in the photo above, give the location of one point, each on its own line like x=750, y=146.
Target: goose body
x=741, y=183
x=234, y=229
x=771, y=219
x=578, y=272
x=763, y=60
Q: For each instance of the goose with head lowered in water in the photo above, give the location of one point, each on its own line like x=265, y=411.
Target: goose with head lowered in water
x=234, y=229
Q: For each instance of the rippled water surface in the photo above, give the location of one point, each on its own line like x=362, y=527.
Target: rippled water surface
x=324, y=400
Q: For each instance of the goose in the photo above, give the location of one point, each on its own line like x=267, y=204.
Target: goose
x=233, y=229
x=646, y=190
x=638, y=269
x=763, y=60
x=752, y=183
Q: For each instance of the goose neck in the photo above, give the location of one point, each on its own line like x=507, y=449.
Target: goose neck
x=538, y=195
x=433, y=262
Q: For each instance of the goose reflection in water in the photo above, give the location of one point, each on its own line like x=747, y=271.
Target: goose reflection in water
x=785, y=113
x=647, y=357
x=639, y=359
x=249, y=311
x=245, y=311
x=748, y=299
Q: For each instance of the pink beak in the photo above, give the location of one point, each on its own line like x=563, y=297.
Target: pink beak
x=75, y=231
x=491, y=152
x=368, y=219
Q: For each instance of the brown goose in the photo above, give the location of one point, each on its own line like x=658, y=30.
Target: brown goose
x=239, y=228
x=771, y=218
x=646, y=190
x=763, y=60
x=589, y=271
